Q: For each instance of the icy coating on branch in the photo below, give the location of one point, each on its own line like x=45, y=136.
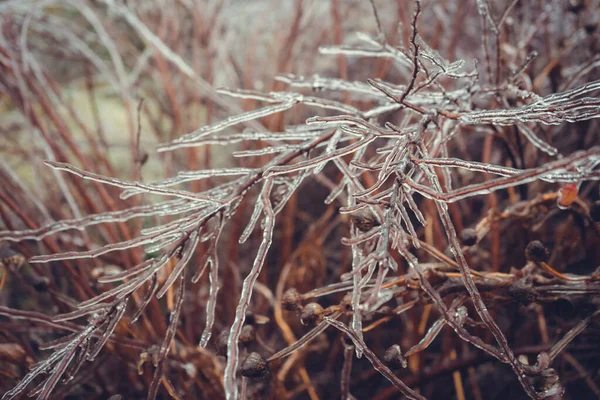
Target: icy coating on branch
x=388, y=145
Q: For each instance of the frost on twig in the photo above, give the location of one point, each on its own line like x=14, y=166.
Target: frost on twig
x=568, y=106
x=393, y=154
x=70, y=354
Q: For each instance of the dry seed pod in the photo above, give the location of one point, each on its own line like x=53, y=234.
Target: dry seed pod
x=393, y=357
x=291, y=300
x=311, y=313
x=364, y=221
x=221, y=343
x=248, y=335
x=468, y=237
x=254, y=366
x=536, y=252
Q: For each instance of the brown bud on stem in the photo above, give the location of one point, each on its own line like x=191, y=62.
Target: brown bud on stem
x=311, y=313
x=468, y=237
x=364, y=221
x=536, y=252
x=291, y=300
x=248, y=334
x=254, y=366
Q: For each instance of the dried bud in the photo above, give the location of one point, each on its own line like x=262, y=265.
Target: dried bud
x=291, y=300
x=393, y=357
x=468, y=237
x=536, y=252
x=567, y=196
x=254, y=366
x=221, y=344
x=364, y=221
x=248, y=335
x=311, y=313
x=595, y=211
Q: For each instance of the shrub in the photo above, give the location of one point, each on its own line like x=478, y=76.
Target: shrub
x=284, y=236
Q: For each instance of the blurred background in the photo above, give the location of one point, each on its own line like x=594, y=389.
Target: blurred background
x=100, y=83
